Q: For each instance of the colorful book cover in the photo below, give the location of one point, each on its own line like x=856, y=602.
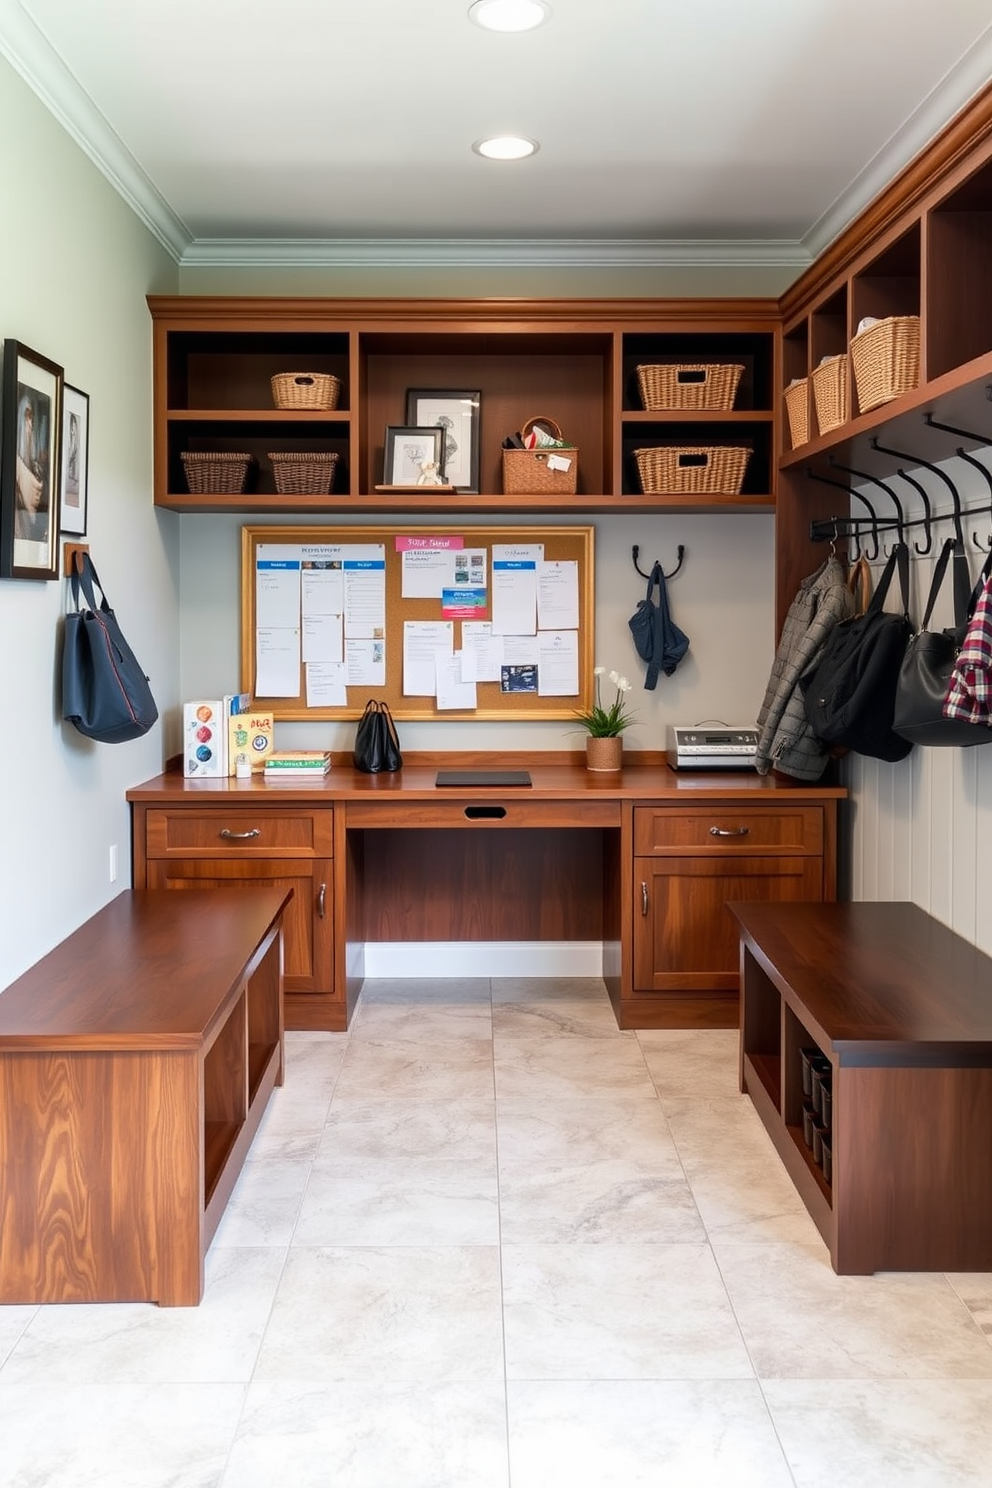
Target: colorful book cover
x=204, y=739
x=250, y=735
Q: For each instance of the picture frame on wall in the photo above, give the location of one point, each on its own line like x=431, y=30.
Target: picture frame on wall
x=408, y=447
x=74, y=498
x=30, y=466
x=458, y=412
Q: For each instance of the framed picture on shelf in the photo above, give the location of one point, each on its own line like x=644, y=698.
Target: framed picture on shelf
x=409, y=448
x=75, y=460
x=29, y=464
x=457, y=412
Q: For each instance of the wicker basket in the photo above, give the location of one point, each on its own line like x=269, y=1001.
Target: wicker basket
x=303, y=474
x=689, y=385
x=306, y=390
x=829, y=381
x=526, y=472
x=673, y=469
x=216, y=473
x=797, y=408
x=886, y=360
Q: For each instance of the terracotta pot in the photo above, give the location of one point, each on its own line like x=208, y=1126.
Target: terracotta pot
x=604, y=754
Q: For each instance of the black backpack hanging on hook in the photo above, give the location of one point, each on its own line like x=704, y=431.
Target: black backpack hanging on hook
x=657, y=639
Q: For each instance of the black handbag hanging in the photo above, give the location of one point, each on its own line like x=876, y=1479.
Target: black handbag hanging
x=105, y=693
x=928, y=665
x=377, y=745
x=850, y=693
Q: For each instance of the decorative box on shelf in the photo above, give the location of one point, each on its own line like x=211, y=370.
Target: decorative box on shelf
x=692, y=470
x=667, y=385
x=216, y=473
x=306, y=390
x=302, y=474
x=797, y=408
x=886, y=360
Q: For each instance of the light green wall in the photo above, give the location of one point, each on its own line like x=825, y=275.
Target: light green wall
x=75, y=266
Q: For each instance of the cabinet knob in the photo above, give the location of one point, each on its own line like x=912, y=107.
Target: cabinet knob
x=240, y=836
x=729, y=831
x=644, y=898
x=321, y=900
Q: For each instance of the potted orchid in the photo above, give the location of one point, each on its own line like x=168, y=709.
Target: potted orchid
x=605, y=725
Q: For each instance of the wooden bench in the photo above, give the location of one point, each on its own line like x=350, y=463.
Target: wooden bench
x=901, y=1007
x=136, y=1060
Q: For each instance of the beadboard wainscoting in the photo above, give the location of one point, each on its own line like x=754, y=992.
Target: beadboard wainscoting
x=922, y=829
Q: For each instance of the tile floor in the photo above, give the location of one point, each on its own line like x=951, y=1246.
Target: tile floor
x=485, y=1240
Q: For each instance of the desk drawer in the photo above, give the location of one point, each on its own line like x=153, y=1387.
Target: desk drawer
x=661, y=830
x=483, y=811
x=245, y=830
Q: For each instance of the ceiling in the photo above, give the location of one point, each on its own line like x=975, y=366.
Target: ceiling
x=669, y=130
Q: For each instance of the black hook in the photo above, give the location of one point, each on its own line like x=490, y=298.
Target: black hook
x=846, y=486
x=635, y=553
x=934, y=470
x=863, y=475
x=927, y=513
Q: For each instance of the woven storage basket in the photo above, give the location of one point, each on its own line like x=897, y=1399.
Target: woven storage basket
x=696, y=469
x=829, y=381
x=216, y=473
x=306, y=390
x=797, y=408
x=689, y=385
x=526, y=473
x=886, y=360
x=303, y=474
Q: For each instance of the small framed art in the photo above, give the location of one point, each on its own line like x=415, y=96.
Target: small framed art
x=29, y=464
x=413, y=455
x=75, y=460
x=457, y=412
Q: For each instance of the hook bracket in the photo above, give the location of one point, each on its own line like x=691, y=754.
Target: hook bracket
x=635, y=553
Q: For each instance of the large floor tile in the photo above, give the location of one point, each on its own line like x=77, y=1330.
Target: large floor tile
x=368, y=1313
x=117, y=1435
x=884, y=1434
x=622, y=1312
x=692, y=1063
x=642, y=1434
x=740, y=1185
x=549, y=990
x=423, y=1131
x=396, y=1202
x=802, y=1321
x=13, y=1321
x=265, y=1204
x=595, y=1202
x=217, y=1342
x=357, y=1435
x=551, y=1068
x=433, y=1022
x=975, y=1290
x=561, y=1018
x=419, y=992
x=577, y=1129
x=459, y=1070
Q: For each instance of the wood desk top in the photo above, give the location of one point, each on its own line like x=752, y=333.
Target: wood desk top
x=152, y=968
x=560, y=776
x=869, y=975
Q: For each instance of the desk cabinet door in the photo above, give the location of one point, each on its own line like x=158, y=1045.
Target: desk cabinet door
x=684, y=938
x=308, y=922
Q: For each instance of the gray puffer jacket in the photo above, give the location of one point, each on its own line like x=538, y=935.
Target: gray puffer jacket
x=785, y=740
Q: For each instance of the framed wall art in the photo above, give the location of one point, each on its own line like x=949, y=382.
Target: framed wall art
x=407, y=449
x=30, y=464
x=75, y=460
x=457, y=412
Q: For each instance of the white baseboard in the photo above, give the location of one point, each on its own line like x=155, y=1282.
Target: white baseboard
x=489, y=958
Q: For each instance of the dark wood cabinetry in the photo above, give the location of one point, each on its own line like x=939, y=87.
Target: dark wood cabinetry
x=573, y=361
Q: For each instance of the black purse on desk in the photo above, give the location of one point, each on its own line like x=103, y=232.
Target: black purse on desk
x=377, y=745
x=105, y=693
x=928, y=665
x=849, y=694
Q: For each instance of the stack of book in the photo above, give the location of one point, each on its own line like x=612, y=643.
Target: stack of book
x=297, y=764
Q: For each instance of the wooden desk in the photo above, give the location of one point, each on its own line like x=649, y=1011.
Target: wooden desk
x=643, y=861
x=136, y=1060
x=902, y=1009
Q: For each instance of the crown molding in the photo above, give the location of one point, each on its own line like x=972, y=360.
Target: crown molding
x=956, y=89
x=491, y=253
x=33, y=58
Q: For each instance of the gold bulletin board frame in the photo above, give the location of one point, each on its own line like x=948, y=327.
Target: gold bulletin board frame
x=560, y=543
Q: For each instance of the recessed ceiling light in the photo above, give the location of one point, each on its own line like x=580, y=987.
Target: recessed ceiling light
x=509, y=15
x=506, y=147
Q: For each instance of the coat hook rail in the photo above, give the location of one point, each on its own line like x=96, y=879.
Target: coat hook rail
x=884, y=449
x=635, y=553
x=863, y=475
x=983, y=439
x=872, y=514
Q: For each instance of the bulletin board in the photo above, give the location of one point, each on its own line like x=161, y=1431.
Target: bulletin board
x=561, y=545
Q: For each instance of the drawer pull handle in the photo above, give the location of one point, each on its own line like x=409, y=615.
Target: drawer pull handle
x=485, y=813
x=321, y=900
x=730, y=831
x=644, y=898
x=240, y=836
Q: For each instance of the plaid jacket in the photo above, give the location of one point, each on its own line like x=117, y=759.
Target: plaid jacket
x=785, y=739
x=970, y=693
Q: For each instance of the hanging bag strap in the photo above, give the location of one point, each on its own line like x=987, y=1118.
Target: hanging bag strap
x=898, y=559
x=84, y=576
x=962, y=584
